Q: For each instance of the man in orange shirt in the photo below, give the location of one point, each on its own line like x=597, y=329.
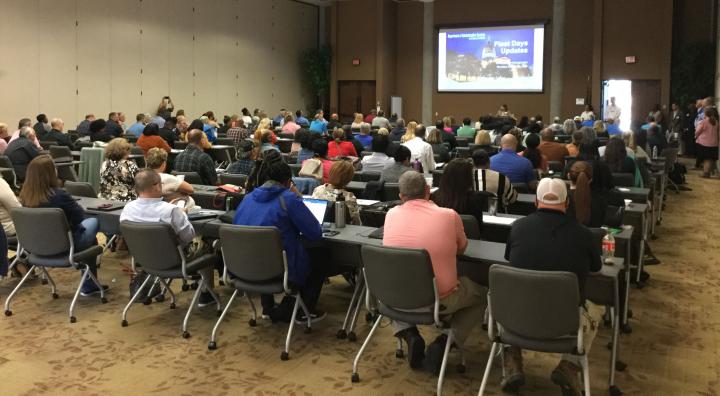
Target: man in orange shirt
x=420, y=224
x=553, y=150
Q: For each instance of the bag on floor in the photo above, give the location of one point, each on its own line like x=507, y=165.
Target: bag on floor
x=677, y=174
x=136, y=281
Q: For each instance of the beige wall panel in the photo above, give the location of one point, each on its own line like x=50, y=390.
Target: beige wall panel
x=125, y=53
x=255, y=69
x=205, y=54
x=181, y=56
x=19, y=65
x=227, y=59
x=155, y=53
x=93, y=58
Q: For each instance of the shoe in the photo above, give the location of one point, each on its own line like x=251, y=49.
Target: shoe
x=90, y=289
x=650, y=260
x=206, y=298
x=315, y=316
x=566, y=376
x=684, y=188
x=415, y=346
x=513, y=365
x=434, y=354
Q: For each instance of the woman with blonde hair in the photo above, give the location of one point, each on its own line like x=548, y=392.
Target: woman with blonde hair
x=383, y=131
x=447, y=124
x=357, y=122
x=409, y=132
x=172, y=186
x=117, y=173
x=483, y=138
x=341, y=173
x=264, y=124
x=441, y=151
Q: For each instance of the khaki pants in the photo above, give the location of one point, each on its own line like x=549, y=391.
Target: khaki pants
x=465, y=308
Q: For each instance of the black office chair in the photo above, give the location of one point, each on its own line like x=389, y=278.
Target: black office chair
x=225, y=141
x=390, y=192
x=472, y=228
x=255, y=262
x=223, y=156
x=232, y=178
x=155, y=247
x=45, y=240
x=80, y=189
x=190, y=177
x=180, y=145
x=8, y=173
x=61, y=154
x=556, y=167
x=284, y=146
x=138, y=156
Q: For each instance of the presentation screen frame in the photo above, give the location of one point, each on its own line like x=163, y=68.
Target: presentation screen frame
x=490, y=25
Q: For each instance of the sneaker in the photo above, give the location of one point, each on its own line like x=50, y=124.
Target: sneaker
x=415, y=346
x=315, y=316
x=205, y=299
x=513, y=365
x=566, y=376
x=91, y=289
x=434, y=354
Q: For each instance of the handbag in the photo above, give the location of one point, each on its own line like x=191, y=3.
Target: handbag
x=312, y=168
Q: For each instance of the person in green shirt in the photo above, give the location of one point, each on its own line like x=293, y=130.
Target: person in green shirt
x=466, y=130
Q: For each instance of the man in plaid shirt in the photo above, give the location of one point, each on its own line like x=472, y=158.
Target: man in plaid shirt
x=194, y=159
x=238, y=132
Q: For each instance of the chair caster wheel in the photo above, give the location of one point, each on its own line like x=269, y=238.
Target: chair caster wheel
x=124, y=323
x=284, y=356
x=399, y=354
x=252, y=322
x=615, y=391
x=147, y=301
x=194, y=286
x=8, y=313
x=160, y=298
x=103, y=300
x=355, y=378
x=369, y=317
x=185, y=287
x=172, y=305
x=186, y=334
x=73, y=319
x=43, y=281
x=461, y=368
x=55, y=296
x=626, y=329
x=341, y=335
x=620, y=366
x=352, y=337
x=308, y=330
x=212, y=345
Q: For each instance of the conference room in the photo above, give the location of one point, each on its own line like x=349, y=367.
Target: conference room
x=378, y=197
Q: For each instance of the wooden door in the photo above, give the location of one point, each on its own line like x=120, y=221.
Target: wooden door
x=355, y=97
x=645, y=95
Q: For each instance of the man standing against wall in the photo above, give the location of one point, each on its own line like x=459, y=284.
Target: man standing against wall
x=612, y=111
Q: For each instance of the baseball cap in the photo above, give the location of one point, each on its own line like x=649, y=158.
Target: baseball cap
x=551, y=191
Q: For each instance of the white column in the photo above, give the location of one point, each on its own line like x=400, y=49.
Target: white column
x=556, y=63
x=427, y=61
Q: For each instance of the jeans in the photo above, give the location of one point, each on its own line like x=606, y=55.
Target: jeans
x=87, y=237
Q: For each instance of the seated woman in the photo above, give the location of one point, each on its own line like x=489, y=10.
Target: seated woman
x=42, y=190
x=538, y=160
x=8, y=201
x=573, y=148
x=392, y=172
x=319, y=165
x=438, y=148
x=172, y=186
x=267, y=141
x=197, y=124
x=276, y=202
x=117, y=173
x=297, y=141
x=306, y=139
x=616, y=157
x=341, y=174
x=340, y=147
x=587, y=205
x=246, y=155
x=456, y=190
x=602, y=176
x=151, y=138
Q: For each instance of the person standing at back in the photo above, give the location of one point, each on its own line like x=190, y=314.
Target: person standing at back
x=548, y=240
x=706, y=136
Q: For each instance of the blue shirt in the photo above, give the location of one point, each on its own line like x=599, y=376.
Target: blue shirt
x=262, y=208
x=518, y=169
x=210, y=132
x=587, y=123
x=318, y=126
x=302, y=121
x=365, y=140
x=613, y=129
x=159, y=121
x=136, y=129
x=268, y=146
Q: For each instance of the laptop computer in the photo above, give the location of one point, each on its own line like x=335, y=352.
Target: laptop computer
x=318, y=207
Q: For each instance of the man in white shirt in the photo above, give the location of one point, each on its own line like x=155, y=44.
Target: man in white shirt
x=379, y=159
x=612, y=111
x=421, y=150
x=150, y=208
x=380, y=121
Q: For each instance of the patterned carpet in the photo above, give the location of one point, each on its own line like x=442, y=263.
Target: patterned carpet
x=673, y=349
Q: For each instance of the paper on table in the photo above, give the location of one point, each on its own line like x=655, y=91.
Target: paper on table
x=366, y=202
x=623, y=189
x=498, y=220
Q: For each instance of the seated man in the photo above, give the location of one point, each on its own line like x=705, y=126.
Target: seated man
x=421, y=150
x=379, y=159
x=276, y=202
x=150, y=208
x=553, y=150
x=420, y=224
x=194, y=159
x=58, y=136
x=518, y=169
x=401, y=164
x=491, y=181
x=548, y=240
x=21, y=151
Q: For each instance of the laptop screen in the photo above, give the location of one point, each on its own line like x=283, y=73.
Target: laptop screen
x=318, y=207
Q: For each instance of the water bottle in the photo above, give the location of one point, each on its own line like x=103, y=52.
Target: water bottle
x=339, y=210
x=492, y=205
x=608, y=245
x=417, y=166
x=655, y=153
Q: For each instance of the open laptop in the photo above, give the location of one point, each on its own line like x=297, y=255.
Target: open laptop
x=318, y=207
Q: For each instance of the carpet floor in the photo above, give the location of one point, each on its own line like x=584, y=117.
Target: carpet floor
x=673, y=349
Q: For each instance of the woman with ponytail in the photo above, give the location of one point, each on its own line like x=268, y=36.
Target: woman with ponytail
x=339, y=147
x=580, y=176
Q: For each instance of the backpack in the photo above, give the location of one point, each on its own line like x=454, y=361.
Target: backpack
x=677, y=174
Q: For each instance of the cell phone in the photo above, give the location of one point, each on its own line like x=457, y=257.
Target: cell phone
x=330, y=233
x=105, y=206
x=181, y=203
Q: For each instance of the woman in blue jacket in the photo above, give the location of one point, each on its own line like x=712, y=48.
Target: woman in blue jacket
x=276, y=202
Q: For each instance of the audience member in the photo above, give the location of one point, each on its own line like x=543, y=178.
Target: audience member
x=378, y=160
x=398, y=132
x=165, y=108
x=573, y=148
x=568, y=127
x=616, y=157
x=612, y=128
x=4, y=135
x=319, y=165
x=172, y=186
x=21, y=151
x=364, y=137
x=25, y=122
x=209, y=128
x=491, y=181
x=531, y=152
x=58, y=136
x=117, y=172
x=440, y=150
x=656, y=140
x=510, y=164
x=357, y=122
x=341, y=173
x=588, y=114
x=41, y=127
x=83, y=128
x=334, y=122
x=318, y=125
x=466, y=131
x=267, y=141
x=446, y=132
x=137, y=128
x=182, y=127
x=370, y=117
x=306, y=140
x=98, y=132
x=350, y=137
x=421, y=151
x=150, y=138
x=401, y=164
x=194, y=159
x=290, y=126
x=299, y=119
x=112, y=126
x=339, y=147
x=602, y=176
x=380, y=121
x=168, y=131
x=552, y=150
x=456, y=190
x=420, y=224
x=246, y=156
x=547, y=241
x=238, y=132
x=8, y=201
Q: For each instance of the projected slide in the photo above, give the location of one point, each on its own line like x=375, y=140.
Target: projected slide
x=491, y=59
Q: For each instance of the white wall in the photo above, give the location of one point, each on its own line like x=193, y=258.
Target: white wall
x=125, y=55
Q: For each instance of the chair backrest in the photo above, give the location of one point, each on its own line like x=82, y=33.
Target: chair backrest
x=472, y=228
x=462, y=151
x=367, y=176
x=80, y=189
x=62, y=153
x=534, y=304
x=45, y=144
x=399, y=278
x=233, y=178
x=223, y=155
x=521, y=188
x=556, y=166
x=253, y=254
x=225, y=141
x=8, y=174
x=623, y=179
x=390, y=192
x=67, y=173
x=42, y=231
x=598, y=235
x=152, y=245
x=190, y=177
x=462, y=142
x=295, y=168
x=180, y=145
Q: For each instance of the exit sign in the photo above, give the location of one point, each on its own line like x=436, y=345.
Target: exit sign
x=356, y=62
x=630, y=59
